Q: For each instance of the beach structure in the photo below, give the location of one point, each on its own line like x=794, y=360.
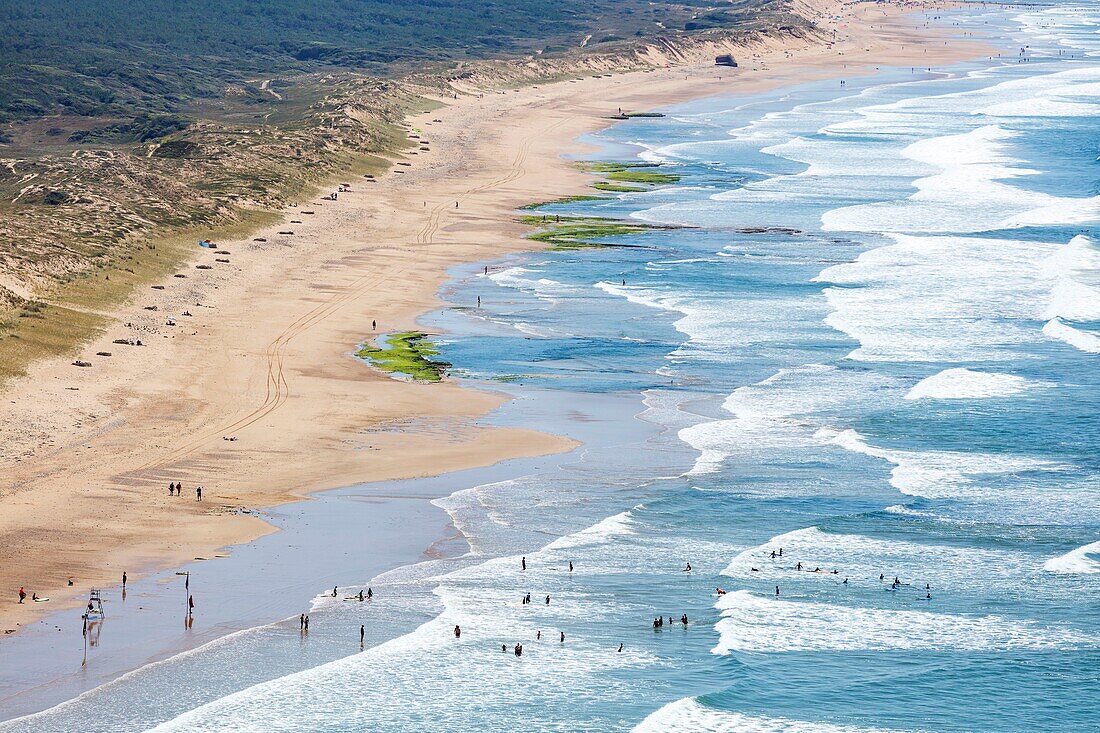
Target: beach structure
x=725, y=60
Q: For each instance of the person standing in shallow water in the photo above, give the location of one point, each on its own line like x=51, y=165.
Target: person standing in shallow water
x=458, y=632
x=523, y=563
x=563, y=637
x=362, y=633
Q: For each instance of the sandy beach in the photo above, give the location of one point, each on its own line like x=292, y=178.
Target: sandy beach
x=257, y=396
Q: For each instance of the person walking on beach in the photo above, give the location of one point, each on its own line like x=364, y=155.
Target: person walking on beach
x=198, y=493
x=171, y=488
x=190, y=605
x=374, y=325
x=370, y=593
x=307, y=623
x=22, y=593
x=301, y=622
x=123, y=580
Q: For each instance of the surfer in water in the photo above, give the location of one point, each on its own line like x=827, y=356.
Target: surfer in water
x=687, y=568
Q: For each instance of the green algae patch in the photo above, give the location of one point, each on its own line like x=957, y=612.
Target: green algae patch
x=564, y=200
x=616, y=188
x=619, y=173
x=409, y=353
x=636, y=176
x=581, y=232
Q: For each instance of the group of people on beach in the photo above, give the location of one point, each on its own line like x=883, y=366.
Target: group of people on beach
x=176, y=489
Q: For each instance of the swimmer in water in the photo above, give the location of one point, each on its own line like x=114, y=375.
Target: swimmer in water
x=719, y=591
x=777, y=591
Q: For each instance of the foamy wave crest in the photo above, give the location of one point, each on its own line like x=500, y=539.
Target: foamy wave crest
x=1075, y=269
x=975, y=165
x=939, y=298
x=517, y=278
x=754, y=624
x=961, y=384
x=1075, y=562
x=690, y=716
x=1058, y=329
x=598, y=534
x=937, y=474
x=773, y=413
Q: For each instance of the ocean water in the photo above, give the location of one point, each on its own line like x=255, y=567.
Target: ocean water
x=865, y=347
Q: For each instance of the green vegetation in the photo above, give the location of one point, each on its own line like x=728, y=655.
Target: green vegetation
x=635, y=176
x=615, y=188
x=604, y=167
x=131, y=57
x=564, y=200
x=580, y=232
x=627, y=173
x=409, y=353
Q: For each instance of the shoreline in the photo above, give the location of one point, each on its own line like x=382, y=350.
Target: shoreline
x=312, y=317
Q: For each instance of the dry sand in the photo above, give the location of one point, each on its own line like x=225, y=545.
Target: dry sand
x=266, y=355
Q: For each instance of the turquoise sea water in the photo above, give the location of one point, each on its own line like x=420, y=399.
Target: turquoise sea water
x=898, y=377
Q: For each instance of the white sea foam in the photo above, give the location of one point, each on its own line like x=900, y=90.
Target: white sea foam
x=599, y=533
x=1076, y=562
x=1058, y=329
x=938, y=474
x=940, y=298
x=690, y=716
x=777, y=413
x=755, y=624
x=518, y=278
x=975, y=166
x=961, y=384
x=1075, y=269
